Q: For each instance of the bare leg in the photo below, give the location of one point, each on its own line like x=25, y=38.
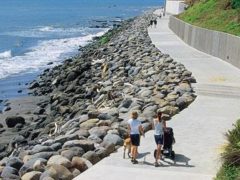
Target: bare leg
x=158, y=155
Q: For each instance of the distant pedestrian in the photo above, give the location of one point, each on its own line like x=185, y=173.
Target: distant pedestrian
x=155, y=23
x=151, y=23
x=160, y=15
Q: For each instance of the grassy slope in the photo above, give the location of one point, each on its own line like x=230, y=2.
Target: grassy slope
x=213, y=14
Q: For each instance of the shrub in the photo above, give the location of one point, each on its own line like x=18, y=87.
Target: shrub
x=235, y=4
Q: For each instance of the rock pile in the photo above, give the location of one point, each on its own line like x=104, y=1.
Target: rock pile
x=91, y=96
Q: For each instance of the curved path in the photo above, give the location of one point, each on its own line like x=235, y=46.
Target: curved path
x=199, y=129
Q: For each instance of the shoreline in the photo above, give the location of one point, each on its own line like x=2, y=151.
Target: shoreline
x=92, y=94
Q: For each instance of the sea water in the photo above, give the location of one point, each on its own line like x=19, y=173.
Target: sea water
x=38, y=34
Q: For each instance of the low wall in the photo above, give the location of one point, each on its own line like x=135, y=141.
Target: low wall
x=218, y=44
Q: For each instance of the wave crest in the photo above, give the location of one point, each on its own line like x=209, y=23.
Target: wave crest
x=6, y=54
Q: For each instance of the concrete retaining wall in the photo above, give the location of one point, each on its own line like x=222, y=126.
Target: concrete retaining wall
x=218, y=44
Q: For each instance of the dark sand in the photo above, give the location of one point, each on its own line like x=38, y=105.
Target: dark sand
x=21, y=106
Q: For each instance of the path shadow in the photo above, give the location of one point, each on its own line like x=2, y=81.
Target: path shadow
x=142, y=155
x=179, y=161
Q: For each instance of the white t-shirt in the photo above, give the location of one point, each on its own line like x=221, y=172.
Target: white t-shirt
x=134, y=125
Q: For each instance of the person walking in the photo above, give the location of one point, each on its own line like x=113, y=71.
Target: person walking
x=155, y=22
x=159, y=126
x=151, y=23
x=135, y=128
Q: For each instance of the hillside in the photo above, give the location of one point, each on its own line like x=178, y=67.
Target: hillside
x=214, y=14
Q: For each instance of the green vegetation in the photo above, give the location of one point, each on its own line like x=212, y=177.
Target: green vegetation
x=217, y=15
x=231, y=156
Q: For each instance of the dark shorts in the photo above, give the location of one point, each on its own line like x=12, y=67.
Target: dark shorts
x=158, y=139
x=135, y=139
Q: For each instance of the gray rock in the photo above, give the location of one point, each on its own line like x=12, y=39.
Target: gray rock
x=57, y=172
x=71, y=76
x=11, y=121
x=92, y=157
x=59, y=160
x=63, y=138
x=113, y=138
x=10, y=173
x=81, y=164
x=34, y=175
x=104, y=116
x=85, y=144
x=110, y=147
x=95, y=138
x=101, y=152
x=83, y=132
x=99, y=131
x=43, y=155
x=15, y=163
x=28, y=166
x=39, y=148
x=56, y=146
x=126, y=103
x=70, y=153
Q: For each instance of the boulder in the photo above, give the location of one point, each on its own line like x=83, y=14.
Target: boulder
x=170, y=110
x=85, y=144
x=11, y=121
x=75, y=172
x=9, y=173
x=95, y=139
x=40, y=148
x=113, y=138
x=56, y=146
x=39, y=165
x=43, y=155
x=104, y=116
x=15, y=163
x=101, y=152
x=92, y=157
x=34, y=175
x=126, y=103
x=99, y=131
x=82, y=132
x=29, y=165
x=89, y=123
x=57, y=172
x=60, y=160
x=63, y=138
x=81, y=164
x=110, y=147
x=74, y=151
x=71, y=76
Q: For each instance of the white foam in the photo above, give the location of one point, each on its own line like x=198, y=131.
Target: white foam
x=49, y=31
x=39, y=56
x=6, y=54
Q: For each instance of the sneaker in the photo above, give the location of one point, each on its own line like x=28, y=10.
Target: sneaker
x=135, y=161
x=156, y=164
x=132, y=160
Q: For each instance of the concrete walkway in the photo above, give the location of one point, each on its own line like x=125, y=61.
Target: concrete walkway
x=199, y=129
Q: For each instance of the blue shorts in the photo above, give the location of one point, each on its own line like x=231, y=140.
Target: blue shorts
x=158, y=139
x=135, y=139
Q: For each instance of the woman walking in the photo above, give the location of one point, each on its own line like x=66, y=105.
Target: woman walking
x=159, y=126
x=135, y=128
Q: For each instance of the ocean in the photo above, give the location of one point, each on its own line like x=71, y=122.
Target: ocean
x=39, y=34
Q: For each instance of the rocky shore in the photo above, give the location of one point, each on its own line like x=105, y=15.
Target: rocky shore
x=88, y=102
